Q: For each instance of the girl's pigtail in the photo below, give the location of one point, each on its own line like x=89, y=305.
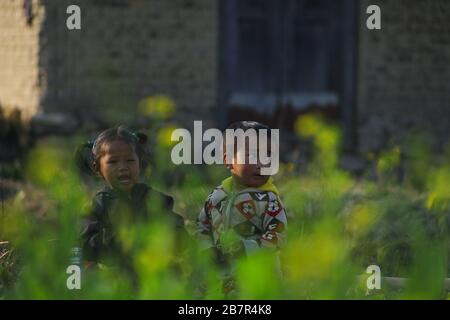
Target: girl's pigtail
x=141, y=137
x=144, y=151
x=84, y=158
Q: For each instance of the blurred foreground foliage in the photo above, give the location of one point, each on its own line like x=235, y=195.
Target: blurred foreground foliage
x=338, y=226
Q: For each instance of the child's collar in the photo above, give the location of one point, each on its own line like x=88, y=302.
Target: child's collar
x=229, y=185
x=113, y=193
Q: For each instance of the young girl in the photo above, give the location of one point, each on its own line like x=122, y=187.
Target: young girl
x=119, y=156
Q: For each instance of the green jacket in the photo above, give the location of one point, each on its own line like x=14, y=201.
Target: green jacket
x=111, y=209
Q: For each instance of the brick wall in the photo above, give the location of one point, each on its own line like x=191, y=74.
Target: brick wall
x=19, y=56
x=130, y=49
x=403, y=70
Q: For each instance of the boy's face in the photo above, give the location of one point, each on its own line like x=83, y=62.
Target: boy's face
x=119, y=165
x=245, y=173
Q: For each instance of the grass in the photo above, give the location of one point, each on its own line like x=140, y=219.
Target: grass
x=338, y=226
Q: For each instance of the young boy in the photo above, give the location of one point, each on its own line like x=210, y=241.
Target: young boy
x=244, y=213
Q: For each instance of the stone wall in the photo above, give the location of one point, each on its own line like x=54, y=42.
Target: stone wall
x=20, y=85
x=127, y=50
x=403, y=70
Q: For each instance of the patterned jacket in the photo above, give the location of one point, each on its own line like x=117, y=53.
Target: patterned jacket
x=255, y=215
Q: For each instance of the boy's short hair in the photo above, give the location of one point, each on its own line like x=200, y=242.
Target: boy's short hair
x=245, y=125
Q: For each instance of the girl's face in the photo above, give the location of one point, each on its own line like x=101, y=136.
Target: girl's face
x=119, y=165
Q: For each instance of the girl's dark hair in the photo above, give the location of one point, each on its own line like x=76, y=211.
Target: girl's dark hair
x=87, y=156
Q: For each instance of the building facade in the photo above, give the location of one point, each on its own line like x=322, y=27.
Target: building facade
x=225, y=60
